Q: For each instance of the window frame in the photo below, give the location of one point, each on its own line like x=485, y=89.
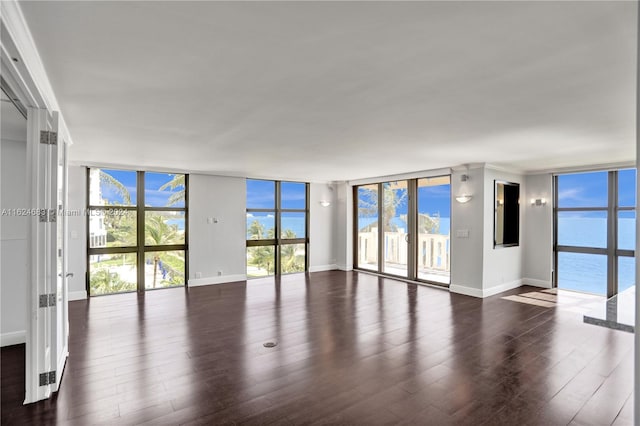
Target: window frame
x=277, y=242
x=140, y=248
x=413, y=254
x=611, y=250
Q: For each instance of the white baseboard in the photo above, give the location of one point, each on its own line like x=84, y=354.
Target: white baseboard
x=467, y=291
x=196, y=282
x=500, y=288
x=345, y=267
x=77, y=295
x=13, y=338
x=537, y=283
x=321, y=268
x=485, y=292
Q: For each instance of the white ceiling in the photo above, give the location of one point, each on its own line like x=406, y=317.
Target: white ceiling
x=335, y=91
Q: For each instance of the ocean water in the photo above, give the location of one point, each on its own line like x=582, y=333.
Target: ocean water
x=576, y=271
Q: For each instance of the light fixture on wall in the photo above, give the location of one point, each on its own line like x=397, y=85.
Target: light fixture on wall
x=538, y=201
x=464, y=198
x=325, y=203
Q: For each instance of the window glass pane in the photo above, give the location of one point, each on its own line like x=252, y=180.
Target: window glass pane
x=368, y=227
x=261, y=194
x=582, y=272
x=260, y=261
x=627, y=230
x=112, y=187
x=112, y=273
x=434, y=223
x=164, y=190
x=626, y=272
x=394, y=216
x=292, y=225
x=112, y=228
x=293, y=195
x=164, y=228
x=583, y=189
x=164, y=269
x=582, y=229
x=627, y=188
x=292, y=258
x=261, y=226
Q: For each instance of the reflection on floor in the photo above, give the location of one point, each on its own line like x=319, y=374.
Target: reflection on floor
x=567, y=300
x=618, y=312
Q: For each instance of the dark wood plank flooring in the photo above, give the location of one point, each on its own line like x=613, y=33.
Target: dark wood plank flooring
x=352, y=349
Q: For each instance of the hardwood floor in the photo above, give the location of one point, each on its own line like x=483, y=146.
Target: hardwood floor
x=352, y=349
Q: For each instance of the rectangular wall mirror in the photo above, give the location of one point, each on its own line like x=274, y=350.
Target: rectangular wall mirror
x=507, y=214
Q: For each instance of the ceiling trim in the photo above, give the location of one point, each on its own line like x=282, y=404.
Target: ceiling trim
x=585, y=168
x=402, y=176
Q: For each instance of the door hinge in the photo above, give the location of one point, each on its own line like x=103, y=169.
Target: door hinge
x=48, y=378
x=46, y=300
x=48, y=138
x=48, y=215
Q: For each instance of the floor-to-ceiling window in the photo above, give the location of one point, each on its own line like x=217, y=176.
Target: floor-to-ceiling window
x=402, y=228
x=277, y=227
x=595, y=231
x=136, y=230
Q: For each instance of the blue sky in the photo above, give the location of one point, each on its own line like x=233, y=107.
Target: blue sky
x=261, y=194
x=591, y=189
x=432, y=200
x=153, y=181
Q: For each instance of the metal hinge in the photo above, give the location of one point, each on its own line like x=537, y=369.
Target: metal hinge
x=48, y=138
x=48, y=215
x=46, y=300
x=48, y=378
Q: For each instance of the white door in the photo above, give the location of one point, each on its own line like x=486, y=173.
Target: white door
x=60, y=322
x=47, y=329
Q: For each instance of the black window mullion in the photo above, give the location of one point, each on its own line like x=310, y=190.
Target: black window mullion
x=278, y=268
x=380, y=228
x=140, y=230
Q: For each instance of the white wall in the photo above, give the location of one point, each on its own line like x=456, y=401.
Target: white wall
x=538, y=231
x=343, y=229
x=467, y=218
x=13, y=236
x=77, y=250
x=217, y=251
x=321, y=227
x=502, y=266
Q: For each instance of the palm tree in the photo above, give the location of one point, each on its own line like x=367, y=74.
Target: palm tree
x=178, y=181
x=392, y=198
x=159, y=232
x=261, y=256
x=108, y=180
x=289, y=261
x=104, y=281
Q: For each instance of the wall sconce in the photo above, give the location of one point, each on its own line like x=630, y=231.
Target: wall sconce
x=538, y=202
x=464, y=198
x=325, y=203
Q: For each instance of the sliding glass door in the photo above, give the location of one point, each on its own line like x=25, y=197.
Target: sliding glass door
x=434, y=229
x=595, y=231
x=402, y=228
x=395, y=244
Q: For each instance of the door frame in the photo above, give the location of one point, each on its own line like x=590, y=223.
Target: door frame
x=23, y=72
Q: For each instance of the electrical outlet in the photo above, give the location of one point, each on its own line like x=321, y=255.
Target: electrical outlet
x=198, y=275
x=219, y=273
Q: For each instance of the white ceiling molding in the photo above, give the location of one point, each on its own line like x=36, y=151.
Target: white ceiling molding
x=402, y=176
